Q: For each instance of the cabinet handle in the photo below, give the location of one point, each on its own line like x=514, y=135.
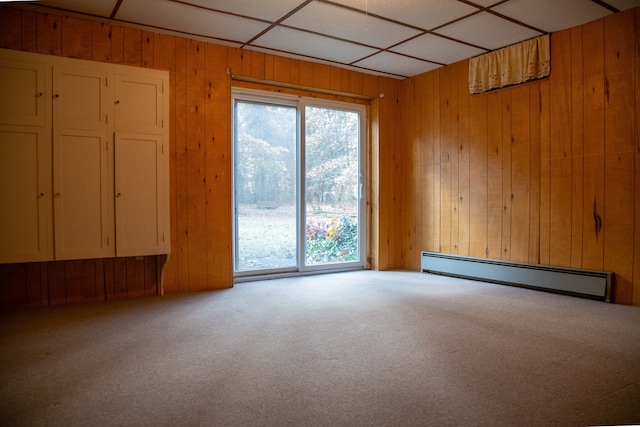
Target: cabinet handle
x=55, y=196
x=40, y=196
x=39, y=94
x=117, y=102
x=57, y=95
x=118, y=194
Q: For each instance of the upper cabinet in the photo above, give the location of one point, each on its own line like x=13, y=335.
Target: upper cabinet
x=139, y=105
x=84, y=172
x=22, y=91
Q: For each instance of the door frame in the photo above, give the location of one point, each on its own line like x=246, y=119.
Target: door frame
x=301, y=102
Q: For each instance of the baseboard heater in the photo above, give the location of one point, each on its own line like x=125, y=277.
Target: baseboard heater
x=590, y=284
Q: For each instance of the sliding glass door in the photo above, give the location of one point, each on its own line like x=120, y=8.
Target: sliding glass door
x=298, y=176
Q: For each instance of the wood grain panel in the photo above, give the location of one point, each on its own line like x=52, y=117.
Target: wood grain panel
x=560, y=152
x=80, y=281
x=165, y=58
x=101, y=289
x=147, y=54
x=478, y=175
x=120, y=278
x=135, y=277
x=29, y=31
x=534, y=175
x=281, y=69
x=56, y=277
x=507, y=195
x=427, y=137
x=37, y=294
x=109, y=279
x=76, y=37
x=519, y=194
x=49, y=34
x=196, y=165
x=436, y=199
x=13, y=293
x=445, y=139
x=321, y=76
x=619, y=153
x=577, y=147
x=180, y=255
x=117, y=44
x=454, y=144
x=132, y=41
x=412, y=171
x=150, y=276
x=464, y=171
x=494, y=175
x=636, y=136
x=100, y=42
x=10, y=27
x=218, y=174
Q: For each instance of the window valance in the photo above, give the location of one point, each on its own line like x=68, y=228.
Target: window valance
x=518, y=63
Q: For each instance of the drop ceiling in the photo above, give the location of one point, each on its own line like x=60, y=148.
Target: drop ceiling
x=394, y=38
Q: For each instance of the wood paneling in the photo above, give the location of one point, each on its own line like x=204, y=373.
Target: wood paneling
x=553, y=165
x=200, y=156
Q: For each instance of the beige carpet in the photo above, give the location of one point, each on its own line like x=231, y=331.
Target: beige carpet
x=351, y=349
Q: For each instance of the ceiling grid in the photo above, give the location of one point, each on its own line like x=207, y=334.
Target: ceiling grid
x=394, y=38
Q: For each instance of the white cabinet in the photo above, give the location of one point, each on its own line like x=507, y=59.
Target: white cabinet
x=25, y=162
x=141, y=210
x=82, y=170
x=25, y=194
x=83, y=164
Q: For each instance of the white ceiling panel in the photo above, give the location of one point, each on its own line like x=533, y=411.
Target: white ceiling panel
x=624, y=4
x=437, y=49
x=349, y=25
x=425, y=14
x=179, y=17
x=396, y=64
x=268, y=10
x=552, y=15
x=396, y=38
x=94, y=7
x=301, y=43
x=474, y=30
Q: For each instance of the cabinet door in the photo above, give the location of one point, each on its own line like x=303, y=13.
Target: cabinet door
x=25, y=192
x=82, y=197
x=138, y=104
x=80, y=99
x=141, y=195
x=22, y=93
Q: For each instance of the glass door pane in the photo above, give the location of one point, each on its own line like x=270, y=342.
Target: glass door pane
x=265, y=179
x=332, y=186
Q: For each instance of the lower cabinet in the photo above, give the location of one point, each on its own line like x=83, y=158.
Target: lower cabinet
x=25, y=192
x=141, y=187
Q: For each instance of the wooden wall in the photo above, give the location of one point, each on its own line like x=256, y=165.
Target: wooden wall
x=200, y=165
x=546, y=172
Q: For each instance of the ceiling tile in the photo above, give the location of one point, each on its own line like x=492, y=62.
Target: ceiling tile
x=486, y=3
x=271, y=10
x=95, y=7
x=299, y=42
x=425, y=14
x=396, y=64
x=349, y=25
x=552, y=15
x=437, y=49
x=623, y=4
x=474, y=30
x=179, y=17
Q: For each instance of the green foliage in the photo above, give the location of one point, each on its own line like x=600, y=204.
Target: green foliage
x=335, y=240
